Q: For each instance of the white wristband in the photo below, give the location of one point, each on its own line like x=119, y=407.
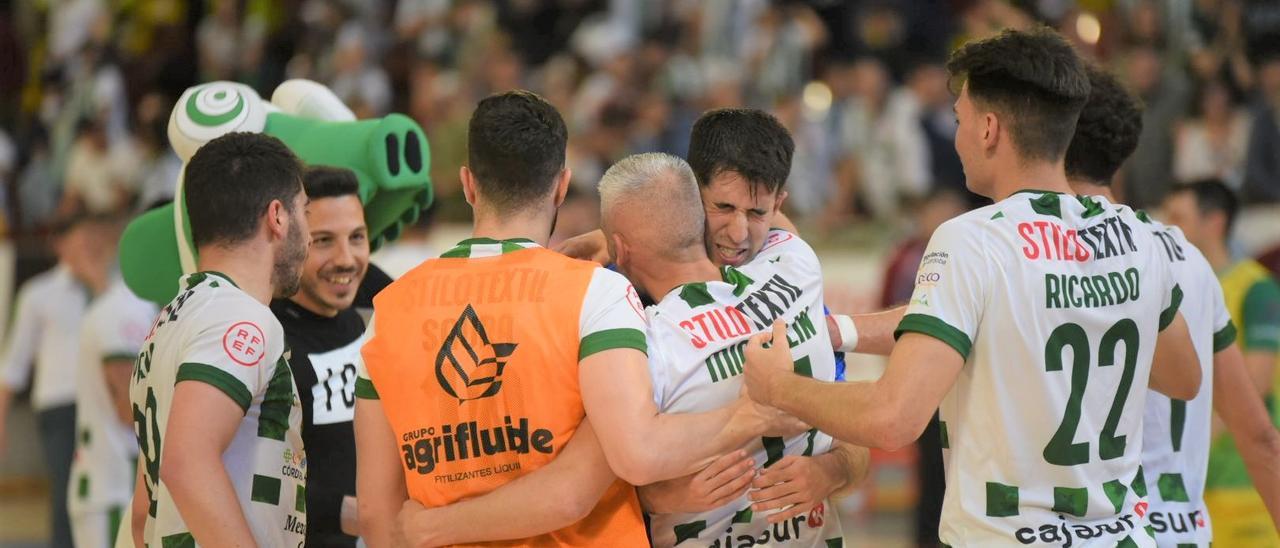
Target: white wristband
x=848, y=332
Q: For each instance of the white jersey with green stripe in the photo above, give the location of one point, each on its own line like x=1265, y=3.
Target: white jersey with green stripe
x=102, y=471
x=1176, y=435
x=1055, y=302
x=697, y=334
x=215, y=333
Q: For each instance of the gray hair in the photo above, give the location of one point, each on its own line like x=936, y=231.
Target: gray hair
x=665, y=187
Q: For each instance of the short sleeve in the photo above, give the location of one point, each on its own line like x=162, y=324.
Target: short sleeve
x=235, y=351
x=1224, y=331
x=1261, y=318
x=124, y=332
x=612, y=316
x=364, y=385
x=1171, y=296
x=951, y=287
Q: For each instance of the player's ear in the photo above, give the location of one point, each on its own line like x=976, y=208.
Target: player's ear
x=562, y=184
x=277, y=219
x=621, y=255
x=778, y=199
x=990, y=131
x=468, y=185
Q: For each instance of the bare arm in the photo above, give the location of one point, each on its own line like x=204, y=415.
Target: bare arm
x=888, y=413
x=118, y=372
x=202, y=423
x=616, y=390
x=380, y=485
x=1175, y=371
x=1246, y=418
x=1261, y=367
x=575, y=480
x=138, y=508
x=872, y=332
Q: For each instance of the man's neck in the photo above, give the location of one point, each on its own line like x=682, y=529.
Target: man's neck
x=311, y=306
x=660, y=277
x=536, y=227
x=1030, y=176
x=245, y=267
x=1218, y=256
x=1091, y=188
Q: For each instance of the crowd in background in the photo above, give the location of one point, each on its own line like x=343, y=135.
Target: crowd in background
x=86, y=86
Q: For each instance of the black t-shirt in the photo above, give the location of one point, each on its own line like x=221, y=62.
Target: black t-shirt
x=323, y=357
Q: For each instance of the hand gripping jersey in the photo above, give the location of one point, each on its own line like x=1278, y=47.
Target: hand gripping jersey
x=1055, y=302
x=217, y=334
x=1175, y=441
x=698, y=333
x=102, y=471
x=474, y=357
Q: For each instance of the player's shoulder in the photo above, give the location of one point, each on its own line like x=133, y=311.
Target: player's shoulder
x=779, y=242
x=211, y=299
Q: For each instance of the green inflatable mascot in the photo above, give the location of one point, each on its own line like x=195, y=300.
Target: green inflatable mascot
x=389, y=155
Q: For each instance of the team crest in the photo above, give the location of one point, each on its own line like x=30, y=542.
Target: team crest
x=469, y=366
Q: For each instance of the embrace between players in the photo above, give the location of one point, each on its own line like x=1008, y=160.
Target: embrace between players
x=509, y=393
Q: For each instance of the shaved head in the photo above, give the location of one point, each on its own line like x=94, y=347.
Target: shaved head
x=651, y=200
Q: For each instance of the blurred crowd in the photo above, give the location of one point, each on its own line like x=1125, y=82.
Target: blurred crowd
x=86, y=86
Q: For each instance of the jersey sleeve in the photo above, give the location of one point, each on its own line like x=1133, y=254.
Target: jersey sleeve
x=612, y=316
x=364, y=385
x=123, y=335
x=234, y=350
x=951, y=287
x=1261, y=318
x=1224, y=331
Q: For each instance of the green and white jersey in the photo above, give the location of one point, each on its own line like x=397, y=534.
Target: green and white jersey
x=697, y=335
x=214, y=333
x=1055, y=302
x=102, y=471
x=1176, y=436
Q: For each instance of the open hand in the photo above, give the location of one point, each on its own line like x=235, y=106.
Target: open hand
x=793, y=485
x=720, y=483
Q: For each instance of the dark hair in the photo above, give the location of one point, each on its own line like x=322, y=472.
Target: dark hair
x=1034, y=78
x=749, y=142
x=1212, y=195
x=515, y=148
x=330, y=182
x=231, y=180
x=1107, y=132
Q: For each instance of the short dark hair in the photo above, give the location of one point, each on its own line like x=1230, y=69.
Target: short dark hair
x=516, y=148
x=1035, y=78
x=230, y=181
x=749, y=142
x=1107, y=132
x=1212, y=195
x=330, y=182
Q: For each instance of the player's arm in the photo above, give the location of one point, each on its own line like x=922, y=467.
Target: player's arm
x=380, y=484
x=203, y=419
x=888, y=413
x=138, y=507
x=575, y=480
x=1175, y=370
x=1250, y=426
x=19, y=355
x=617, y=391
x=591, y=246
x=118, y=370
x=870, y=333
x=796, y=484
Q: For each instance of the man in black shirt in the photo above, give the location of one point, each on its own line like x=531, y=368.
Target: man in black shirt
x=325, y=330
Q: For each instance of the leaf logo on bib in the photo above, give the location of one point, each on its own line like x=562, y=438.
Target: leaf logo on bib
x=468, y=366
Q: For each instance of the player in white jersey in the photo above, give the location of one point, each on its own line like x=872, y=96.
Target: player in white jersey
x=111, y=334
x=216, y=413
x=1033, y=324
x=1176, y=433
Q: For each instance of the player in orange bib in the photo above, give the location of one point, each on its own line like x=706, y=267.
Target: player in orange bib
x=483, y=365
